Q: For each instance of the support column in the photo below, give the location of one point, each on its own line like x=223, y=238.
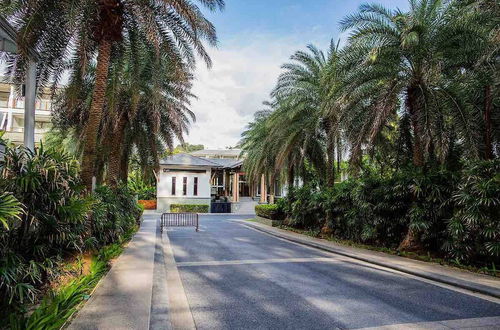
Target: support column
x=271, y=192
x=236, y=187
x=29, y=107
x=263, y=190
x=223, y=182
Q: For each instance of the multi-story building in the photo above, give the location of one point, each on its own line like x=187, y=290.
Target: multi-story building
x=12, y=113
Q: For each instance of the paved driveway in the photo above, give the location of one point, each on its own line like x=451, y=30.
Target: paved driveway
x=238, y=278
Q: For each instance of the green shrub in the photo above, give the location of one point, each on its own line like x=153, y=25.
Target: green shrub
x=474, y=229
x=45, y=218
x=115, y=211
x=189, y=208
x=452, y=214
x=269, y=211
x=53, y=221
x=143, y=190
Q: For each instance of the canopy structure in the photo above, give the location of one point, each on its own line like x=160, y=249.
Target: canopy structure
x=8, y=45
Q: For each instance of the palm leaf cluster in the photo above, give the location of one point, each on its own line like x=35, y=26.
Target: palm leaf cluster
x=146, y=109
x=46, y=220
x=416, y=87
x=81, y=37
x=413, y=96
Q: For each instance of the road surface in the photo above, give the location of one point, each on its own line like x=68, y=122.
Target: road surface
x=234, y=277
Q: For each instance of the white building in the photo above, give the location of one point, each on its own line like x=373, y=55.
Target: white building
x=210, y=177
x=12, y=113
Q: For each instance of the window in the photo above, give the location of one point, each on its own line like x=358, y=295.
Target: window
x=195, y=187
x=173, y=185
x=184, y=186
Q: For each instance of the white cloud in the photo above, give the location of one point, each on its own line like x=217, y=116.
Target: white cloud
x=234, y=89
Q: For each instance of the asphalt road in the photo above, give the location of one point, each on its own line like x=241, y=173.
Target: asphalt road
x=238, y=278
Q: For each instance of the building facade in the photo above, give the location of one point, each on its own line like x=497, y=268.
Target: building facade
x=208, y=177
x=12, y=111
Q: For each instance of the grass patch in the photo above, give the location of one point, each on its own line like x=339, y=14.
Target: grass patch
x=492, y=271
x=60, y=304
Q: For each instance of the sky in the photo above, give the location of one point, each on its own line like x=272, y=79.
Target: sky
x=255, y=38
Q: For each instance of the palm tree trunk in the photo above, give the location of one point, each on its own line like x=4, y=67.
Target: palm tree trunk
x=413, y=105
x=411, y=241
x=124, y=164
x=488, y=108
x=115, y=156
x=330, y=150
x=95, y=115
x=290, y=176
x=271, y=190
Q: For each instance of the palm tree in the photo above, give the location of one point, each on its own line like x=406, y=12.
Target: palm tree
x=304, y=95
x=79, y=30
x=396, y=55
x=146, y=107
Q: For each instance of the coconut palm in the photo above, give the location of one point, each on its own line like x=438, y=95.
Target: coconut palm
x=80, y=30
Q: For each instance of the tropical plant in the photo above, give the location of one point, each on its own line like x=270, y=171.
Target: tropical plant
x=94, y=29
x=474, y=229
x=298, y=133
x=396, y=55
x=47, y=219
x=146, y=109
x=10, y=209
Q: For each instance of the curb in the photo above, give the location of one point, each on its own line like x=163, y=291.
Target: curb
x=474, y=287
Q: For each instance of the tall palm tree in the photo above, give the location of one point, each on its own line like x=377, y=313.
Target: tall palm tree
x=146, y=107
x=304, y=95
x=397, y=55
x=64, y=29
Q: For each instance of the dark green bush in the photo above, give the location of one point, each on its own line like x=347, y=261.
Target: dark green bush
x=142, y=189
x=269, y=211
x=452, y=214
x=56, y=220
x=189, y=208
x=115, y=211
x=474, y=229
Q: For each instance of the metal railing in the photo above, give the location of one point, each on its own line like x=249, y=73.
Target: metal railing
x=179, y=220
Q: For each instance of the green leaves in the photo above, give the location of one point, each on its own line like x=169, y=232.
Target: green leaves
x=10, y=209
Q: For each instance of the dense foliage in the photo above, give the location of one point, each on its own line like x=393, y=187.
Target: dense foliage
x=47, y=219
x=408, y=110
x=85, y=39
x=189, y=208
x=269, y=211
x=455, y=214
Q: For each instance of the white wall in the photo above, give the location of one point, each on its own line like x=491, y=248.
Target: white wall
x=165, y=183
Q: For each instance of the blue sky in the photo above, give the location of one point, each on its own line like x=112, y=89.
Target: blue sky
x=255, y=38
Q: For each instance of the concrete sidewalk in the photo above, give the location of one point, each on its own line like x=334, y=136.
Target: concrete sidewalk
x=122, y=299
x=483, y=284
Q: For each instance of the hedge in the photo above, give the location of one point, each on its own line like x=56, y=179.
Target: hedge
x=189, y=208
x=269, y=211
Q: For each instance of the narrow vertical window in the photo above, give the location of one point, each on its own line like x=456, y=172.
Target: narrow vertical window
x=195, y=187
x=173, y=185
x=184, y=186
